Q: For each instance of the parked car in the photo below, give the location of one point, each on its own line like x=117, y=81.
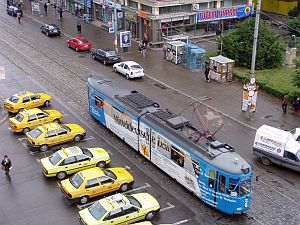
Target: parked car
x=13, y=10
x=79, y=43
x=130, y=69
x=107, y=56
x=26, y=100
x=50, y=30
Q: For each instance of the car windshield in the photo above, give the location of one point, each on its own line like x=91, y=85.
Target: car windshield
x=14, y=99
x=19, y=117
x=111, y=53
x=87, y=152
x=65, y=127
x=76, y=180
x=97, y=211
x=110, y=174
x=136, y=67
x=55, y=158
x=35, y=133
x=83, y=41
x=133, y=201
x=245, y=187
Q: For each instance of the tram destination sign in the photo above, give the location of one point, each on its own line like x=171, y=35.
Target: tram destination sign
x=223, y=13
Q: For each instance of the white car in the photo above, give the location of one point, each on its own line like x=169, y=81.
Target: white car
x=129, y=68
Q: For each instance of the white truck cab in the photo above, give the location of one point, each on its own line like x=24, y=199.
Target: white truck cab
x=278, y=146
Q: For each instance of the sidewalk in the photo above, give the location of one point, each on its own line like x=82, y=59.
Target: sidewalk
x=226, y=97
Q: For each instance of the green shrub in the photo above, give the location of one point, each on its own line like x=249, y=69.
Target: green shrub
x=294, y=26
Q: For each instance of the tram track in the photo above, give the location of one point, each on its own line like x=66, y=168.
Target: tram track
x=256, y=214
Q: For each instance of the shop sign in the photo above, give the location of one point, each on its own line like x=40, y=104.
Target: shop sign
x=35, y=7
x=89, y=3
x=224, y=13
x=131, y=16
x=142, y=14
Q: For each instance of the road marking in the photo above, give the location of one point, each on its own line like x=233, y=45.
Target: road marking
x=170, y=206
x=182, y=221
x=24, y=144
x=9, y=128
x=20, y=139
x=138, y=188
x=127, y=167
x=88, y=138
x=38, y=160
x=4, y=118
x=126, y=192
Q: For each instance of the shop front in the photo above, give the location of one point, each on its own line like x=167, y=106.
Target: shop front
x=131, y=22
x=144, y=25
x=98, y=10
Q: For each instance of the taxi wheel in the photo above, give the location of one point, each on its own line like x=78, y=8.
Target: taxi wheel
x=26, y=130
x=77, y=138
x=124, y=187
x=46, y=103
x=101, y=164
x=56, y=120
x=150, y=215
x=266, y=161
x=83, y=200
x=127, y=76
x=61, y=175
x=44, y=148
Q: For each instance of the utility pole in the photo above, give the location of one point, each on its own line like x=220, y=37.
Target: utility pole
x=258, y=4
x=115, y=27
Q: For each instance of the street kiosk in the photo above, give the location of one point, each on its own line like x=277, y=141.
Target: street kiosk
x=194, y=57
x=221, y=68
x=175, y=51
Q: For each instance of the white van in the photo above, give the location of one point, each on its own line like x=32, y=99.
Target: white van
x=278, y=146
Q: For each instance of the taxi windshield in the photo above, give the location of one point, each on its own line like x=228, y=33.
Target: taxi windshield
x=14, y=99
x=110, y=174
x=55, y=158
x=133, y=201
x=97, y=211
x=76, y=180
x=19, y=117
x=87, y=152
x=35, y=133
x=135, y=67
x=245, y=187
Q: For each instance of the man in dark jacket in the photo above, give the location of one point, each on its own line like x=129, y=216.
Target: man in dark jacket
x=6, y=165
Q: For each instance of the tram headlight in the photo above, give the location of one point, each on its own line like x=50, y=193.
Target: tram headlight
x=245, y=170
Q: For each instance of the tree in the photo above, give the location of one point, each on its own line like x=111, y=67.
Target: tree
x=238, y=45
x=296, y=75
x=294, y=26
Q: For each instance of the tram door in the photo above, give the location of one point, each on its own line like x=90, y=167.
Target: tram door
x=221, y=190
x=212, y=186
x=96, y=107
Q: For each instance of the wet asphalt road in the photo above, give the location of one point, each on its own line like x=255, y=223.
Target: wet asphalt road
x=56, y=61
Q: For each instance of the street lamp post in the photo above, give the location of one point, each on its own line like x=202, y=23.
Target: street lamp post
x=115, y=27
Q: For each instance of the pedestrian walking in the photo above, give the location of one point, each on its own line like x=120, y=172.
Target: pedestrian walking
x=54, y=6
x=7, y=3
x=6, y=165
x=60, y=11
x=206, y=72
x=79, y=28
x=45, y=8
x=165, y=50
x=19, y=17
x=144, y=46
x=285, y=102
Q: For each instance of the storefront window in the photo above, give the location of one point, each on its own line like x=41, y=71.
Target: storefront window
x=147, y=8
x=133, y=4
x=239, y=2
x=175, y=9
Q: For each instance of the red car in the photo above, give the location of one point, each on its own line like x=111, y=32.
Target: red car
x=79, y=43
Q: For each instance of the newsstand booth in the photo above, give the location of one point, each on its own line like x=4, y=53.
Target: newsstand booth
x=175, y=50
x=221, y=68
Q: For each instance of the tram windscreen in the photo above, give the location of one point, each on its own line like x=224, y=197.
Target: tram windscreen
x=245, y=187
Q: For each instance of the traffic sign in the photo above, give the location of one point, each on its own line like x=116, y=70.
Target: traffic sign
x=111, y=30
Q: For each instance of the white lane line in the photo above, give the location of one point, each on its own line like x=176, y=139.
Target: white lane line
x=38, y=160
x=88, y=138
x=127, y=167
x=138, y=188
x=181, y=222
x=4, y=118
x=109, y=152
x=20, y=139
x=9, y=128
x=170, y=206
x=92, y=202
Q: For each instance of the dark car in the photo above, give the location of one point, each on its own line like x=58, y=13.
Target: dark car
x=107, y=56
x=50, y=30
x=13, y=10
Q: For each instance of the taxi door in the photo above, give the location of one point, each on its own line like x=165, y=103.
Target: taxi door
x=26, y=103
x=51, y=137
x=130, y=214
x=43, y=118
x=32, y=121
x=36, y=100
x=92, y=187
x=69, y=164
x=83, y=162
x=107, y=185
x=62, y=135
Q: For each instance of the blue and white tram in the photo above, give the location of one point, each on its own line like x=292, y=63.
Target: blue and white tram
x=208, y=168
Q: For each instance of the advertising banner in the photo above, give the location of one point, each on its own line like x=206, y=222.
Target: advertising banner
x=224, y=13
x=125, y=39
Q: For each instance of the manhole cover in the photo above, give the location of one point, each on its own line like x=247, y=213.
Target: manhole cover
x=160, y=86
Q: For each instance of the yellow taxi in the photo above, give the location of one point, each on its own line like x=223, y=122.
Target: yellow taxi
x=26, y=100
x=93, y=182
x=73, y=159
x=52, y=134
x=120, y=209
x=27, y=120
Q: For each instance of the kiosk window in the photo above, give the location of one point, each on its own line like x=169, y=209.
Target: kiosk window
x=222, y=183
x=98, y=101
x=211, y=179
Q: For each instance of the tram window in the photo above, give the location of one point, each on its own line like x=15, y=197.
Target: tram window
x=196, y=166
x=222, y=183
x=233, y=189
x=211, y=180
x=245, y=187
x=98, y=101
x=177, y=156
